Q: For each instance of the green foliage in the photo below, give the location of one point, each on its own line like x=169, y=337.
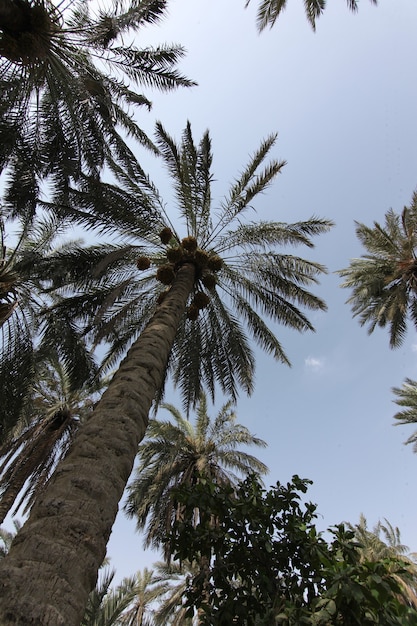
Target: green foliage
x=175, y=452
x=384, y=280
x=64, y=94
x=406, y=397
x=254, y=274
x=270, y=10
x=262, y=561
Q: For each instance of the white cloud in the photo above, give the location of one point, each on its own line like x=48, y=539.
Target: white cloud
x=314, y=364
x=414, y=347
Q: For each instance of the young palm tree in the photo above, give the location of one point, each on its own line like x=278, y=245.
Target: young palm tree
x=64, y=75
x=384, y=542
x=270, y=10
x=220, y=275
x=52, y=414
x=177, y=452
x=384, y=280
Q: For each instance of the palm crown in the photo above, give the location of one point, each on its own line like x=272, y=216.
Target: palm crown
x=59, y=108
x=384, y=281
x=240, y=275
x=177, y=452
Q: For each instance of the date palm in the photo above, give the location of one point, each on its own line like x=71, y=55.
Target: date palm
x=52, y=414
x=177, y=452
x=64, y=94
x=270, y=10
x=407, y=398
x=25, y=270
x=224, y=273
x=384, y=280
x=384, y=542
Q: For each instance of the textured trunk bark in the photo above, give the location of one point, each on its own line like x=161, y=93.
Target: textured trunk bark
x=52, y=565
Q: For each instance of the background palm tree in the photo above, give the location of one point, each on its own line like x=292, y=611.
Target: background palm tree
x=384, y=542
x=270, y=10
x=148, y=586
x=407, y=398
x=25, y=270
x=177, y=452
x=241, y=275
x=59, y=110
x=52, y=414
x=384, y=280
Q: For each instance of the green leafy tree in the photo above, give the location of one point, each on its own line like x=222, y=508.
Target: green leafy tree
x=223, y=273
x=270, y=10
x=64, y=95
x=384, y=280
x=176, y=452
x=267, y=564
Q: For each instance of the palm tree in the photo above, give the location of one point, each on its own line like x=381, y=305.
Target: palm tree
x=60, y=109
x=220, y=275
x=52, y=414
x=270, y=10
x=147, y=587
x=106, y=606
x=171, y=609
x=407, y=397
x=384, y=542
x=384, y=280
x=177, y=452
x=26, y=270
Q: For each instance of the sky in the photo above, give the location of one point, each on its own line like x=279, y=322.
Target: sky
x=344, y=102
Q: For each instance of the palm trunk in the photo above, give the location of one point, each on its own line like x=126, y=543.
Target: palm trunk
x=53, y=563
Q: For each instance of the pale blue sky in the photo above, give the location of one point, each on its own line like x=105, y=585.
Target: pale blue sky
x=344, y=101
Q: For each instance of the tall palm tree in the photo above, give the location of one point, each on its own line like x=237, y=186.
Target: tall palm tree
x=52, y=414
x=384, y=542
x=384, y=280
x=270, y=10
x=407, y=398
x=64, y=76
x=223, y=273
x=177, y=452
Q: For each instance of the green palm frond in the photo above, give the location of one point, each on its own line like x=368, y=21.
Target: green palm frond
x=270, y=10
x=243, y=271
x=406, y=396
x=64, y=95
x=177, y=452
x=52, y=411
x=384, y=280
x=384, y=542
